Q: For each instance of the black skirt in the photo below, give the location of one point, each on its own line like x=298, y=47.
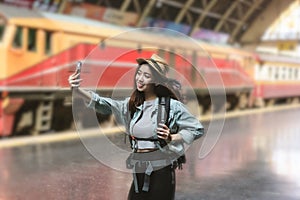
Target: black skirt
x=162, y=185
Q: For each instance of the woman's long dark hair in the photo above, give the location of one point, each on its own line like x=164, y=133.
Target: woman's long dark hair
x=161, y=88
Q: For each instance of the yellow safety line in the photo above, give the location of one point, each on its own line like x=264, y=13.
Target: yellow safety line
x=72, y=135
x=57, y=137
x=248, y=112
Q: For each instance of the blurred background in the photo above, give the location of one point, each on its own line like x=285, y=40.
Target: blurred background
x=239, y=57
x=253, y=46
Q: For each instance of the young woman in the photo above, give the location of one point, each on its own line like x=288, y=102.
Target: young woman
x=156, y=146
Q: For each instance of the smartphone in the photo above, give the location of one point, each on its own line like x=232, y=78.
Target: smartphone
x=78, y=67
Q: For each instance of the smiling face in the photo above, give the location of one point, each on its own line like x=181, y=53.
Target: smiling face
x=144, y=78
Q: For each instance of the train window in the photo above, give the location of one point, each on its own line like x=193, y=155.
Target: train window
x=18, y=40
x=262, y=72
x=276, y=75
x=138, y=49
x=290, y=74
x=2, y=28
x=1, y=32
x=270, y=73
x=103, y=45
x=296, y=73
x=281, y=75
x=32, y=39
x=48, y=49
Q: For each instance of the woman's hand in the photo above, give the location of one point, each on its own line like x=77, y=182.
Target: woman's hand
x=74, y=82
x=74, y=79
x=163, y=132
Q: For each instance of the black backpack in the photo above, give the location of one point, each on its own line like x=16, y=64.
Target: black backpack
x=162, y=117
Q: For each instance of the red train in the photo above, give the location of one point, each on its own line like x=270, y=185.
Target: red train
x=38, y=51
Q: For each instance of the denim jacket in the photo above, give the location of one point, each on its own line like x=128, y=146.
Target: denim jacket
x=180, y=119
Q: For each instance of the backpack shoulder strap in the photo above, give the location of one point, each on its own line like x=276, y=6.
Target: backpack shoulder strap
x=163, y=110
x=163, y=114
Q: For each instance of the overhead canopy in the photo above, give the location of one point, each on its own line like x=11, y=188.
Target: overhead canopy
x=244, y=21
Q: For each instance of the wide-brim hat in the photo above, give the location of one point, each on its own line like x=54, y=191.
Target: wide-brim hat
x=156, y=62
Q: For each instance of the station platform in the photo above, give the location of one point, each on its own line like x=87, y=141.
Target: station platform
x=255, y=158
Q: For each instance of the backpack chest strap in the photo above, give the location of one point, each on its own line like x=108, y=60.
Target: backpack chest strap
x=137, y=143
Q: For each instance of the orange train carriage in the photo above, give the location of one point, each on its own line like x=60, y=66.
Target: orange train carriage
x=38, y=51
x=277, y=79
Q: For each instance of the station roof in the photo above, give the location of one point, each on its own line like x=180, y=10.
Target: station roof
x=245, y=21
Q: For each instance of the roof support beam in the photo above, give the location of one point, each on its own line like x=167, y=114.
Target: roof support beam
x=125, y=5
x=62, y=6
x=137, y=6
x=146, y=12
x=183, y=11
x=244, y=19
x=204, y=3
x=225, y=16
x=189, y=18
x=203, y=14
